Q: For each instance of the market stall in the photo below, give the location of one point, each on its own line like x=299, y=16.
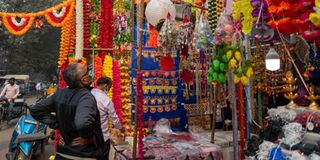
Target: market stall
x=213, y=70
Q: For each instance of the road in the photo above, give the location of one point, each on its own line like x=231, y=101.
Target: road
x=7, y=130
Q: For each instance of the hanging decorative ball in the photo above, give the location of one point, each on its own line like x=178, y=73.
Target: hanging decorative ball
x=154, y=12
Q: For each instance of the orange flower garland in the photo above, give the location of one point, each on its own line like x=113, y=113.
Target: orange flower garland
x=97, y=69
x=73, y=59
x=67, y=40
x=125, y=97
x=54, y=18
x=17, y=30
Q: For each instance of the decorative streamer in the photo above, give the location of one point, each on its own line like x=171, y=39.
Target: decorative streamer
x=139, y=110
x=107, y=70
x=106, y=27
x=116, y=85
x=19, y=23
x=86, y=26
x=94, y=23
x=242, y=11
x=242, y=119
x=125, y=97
x=97, y=69
x=212, y=15
x=67, y=40
x=79, y=29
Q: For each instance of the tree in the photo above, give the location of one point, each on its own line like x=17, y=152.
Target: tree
x=34, y=53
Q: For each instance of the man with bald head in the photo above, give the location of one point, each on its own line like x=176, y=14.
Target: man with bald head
x=76, y=116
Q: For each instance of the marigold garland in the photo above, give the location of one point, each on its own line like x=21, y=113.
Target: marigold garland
x=17, y=30
x=125, y=97
x=97, y=69
x=27, y=19
x=67, y=40
x=107, y=70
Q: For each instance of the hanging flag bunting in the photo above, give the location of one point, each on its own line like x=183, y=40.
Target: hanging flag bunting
x=17, y=25
x=20, y=23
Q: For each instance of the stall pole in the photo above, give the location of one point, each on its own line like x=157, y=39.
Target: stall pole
x=79, y=30
x=135, y=139
x=216, y=88
x=233, y=104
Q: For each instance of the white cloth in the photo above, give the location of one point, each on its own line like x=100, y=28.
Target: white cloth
x=106, y=109
x=11, y=92
x=38, y=86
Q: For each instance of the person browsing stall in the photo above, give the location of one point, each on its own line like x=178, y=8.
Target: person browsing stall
x=76, y=116
x=106, y=108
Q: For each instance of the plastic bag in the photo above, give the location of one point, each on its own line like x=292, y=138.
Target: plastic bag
x=168, y=33
x=224, y=31
x=162, y=127
x=202, y=36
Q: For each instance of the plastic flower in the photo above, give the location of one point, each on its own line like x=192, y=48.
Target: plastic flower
x=237, y=55
x=236, y=79
x=315, y=18
x=244, y=80
x=232, y=63
x=249, y=72
x=229, y=54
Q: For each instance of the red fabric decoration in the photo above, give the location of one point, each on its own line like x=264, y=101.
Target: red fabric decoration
x=106, y=27
x=153, y=40
x=186, y=76
x=139, y=111
x=116, y=83
x=167, y=63
x=86, y=26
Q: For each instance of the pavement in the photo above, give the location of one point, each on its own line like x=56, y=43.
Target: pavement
x=7, y=130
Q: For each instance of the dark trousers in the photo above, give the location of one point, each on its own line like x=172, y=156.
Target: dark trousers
x=106, y=149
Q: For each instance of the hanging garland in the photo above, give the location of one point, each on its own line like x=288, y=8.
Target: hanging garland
x=243, y=10
x=106, y=26
x=125, y=97
x=86, y=26
x=94, y=23
x=107, y=70
x=97, y=69
x=67, y=40
x=139, y=111
x=19, y=23
x=117, y=90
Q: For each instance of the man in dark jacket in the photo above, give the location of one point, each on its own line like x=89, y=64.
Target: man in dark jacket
x=75, y=115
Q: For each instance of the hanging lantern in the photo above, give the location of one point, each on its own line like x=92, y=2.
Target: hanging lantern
x=272, y=60
x=158, y=9
x=154, y=12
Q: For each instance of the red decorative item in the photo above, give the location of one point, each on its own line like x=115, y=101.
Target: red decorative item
x=86, y=26
x=116, y=95
x=186, y=76
x=167, y=63
x=241, y=118
x=153, y=40
x=106, y=27
x=139, y=111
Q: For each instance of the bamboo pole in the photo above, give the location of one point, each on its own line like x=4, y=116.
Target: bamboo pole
x=135, y=140
x=79, y=29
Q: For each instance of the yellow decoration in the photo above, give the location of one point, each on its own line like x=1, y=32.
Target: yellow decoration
x=244, y=80
x=237, y=55
x=229, y=54
x=315, y=18
x=107, y=70
x=312, y=98
x=236, y=79
x=232, y=63
x=242, y=10
x=317, y=3
x=249, y=72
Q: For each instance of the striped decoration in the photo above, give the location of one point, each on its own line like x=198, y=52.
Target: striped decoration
x=212, y=15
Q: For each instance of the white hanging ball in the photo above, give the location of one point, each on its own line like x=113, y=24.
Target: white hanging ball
x=169, y=7
x=155, y=12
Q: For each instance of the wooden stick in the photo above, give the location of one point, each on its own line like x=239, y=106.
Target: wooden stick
x=214, y=112
x=135, y=138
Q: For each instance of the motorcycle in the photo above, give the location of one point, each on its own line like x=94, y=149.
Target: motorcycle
x=26, y=138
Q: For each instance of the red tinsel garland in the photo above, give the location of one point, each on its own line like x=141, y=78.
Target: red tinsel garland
x=86, y=26
x=97, y=69
x=116, y=98
x=106, y=27
x=139, y=111
x=242, y=118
